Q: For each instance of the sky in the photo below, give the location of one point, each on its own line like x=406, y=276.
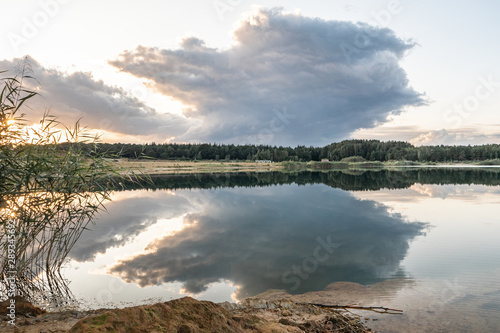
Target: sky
x=269, y=72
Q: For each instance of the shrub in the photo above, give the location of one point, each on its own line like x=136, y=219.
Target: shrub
x=353, y=159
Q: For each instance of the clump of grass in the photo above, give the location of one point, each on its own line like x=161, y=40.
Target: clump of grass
x=291, y=165
x=353, y=159
x=98, y=321
x=489, y=162
x=402, y=163
x=370, y=164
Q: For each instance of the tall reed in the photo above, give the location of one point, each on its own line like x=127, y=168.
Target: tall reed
x=50, y=194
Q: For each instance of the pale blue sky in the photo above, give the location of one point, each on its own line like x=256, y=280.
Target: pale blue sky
x=457, y=53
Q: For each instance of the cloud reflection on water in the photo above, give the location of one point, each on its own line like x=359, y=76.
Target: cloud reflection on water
x=253, y=236
x=125, y=219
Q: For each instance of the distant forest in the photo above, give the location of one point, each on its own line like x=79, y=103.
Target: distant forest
x=370, y=150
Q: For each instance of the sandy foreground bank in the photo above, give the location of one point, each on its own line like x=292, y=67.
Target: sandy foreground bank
x=190, y=315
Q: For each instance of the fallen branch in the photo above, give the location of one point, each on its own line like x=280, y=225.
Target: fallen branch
x=378, y=309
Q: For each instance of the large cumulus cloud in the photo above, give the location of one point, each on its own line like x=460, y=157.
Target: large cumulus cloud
x=79, y=95
x=287, y=79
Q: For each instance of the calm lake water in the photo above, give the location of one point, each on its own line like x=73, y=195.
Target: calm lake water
x=425, y=241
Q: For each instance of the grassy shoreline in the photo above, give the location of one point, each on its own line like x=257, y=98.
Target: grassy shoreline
x=157, y=167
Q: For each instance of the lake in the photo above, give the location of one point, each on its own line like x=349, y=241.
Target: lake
x=425, y=241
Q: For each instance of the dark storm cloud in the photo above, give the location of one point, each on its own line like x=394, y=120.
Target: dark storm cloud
x=124, y=220
x=254, y=237
x=288, y=79
x=79, y=95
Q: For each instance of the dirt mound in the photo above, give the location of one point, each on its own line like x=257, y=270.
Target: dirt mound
x=22, y=308
x=32, y=319
x=187, y=315
x=184, y=315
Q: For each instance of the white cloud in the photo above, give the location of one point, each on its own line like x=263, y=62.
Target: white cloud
x=288, y=79
x=103, y=107
x=465, y=136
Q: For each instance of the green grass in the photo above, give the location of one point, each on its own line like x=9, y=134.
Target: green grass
x=489, y=162
x=353, y=159
x=98, y=321
x=331, y=165
x=402, y=163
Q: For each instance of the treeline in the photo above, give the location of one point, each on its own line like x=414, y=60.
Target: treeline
x=370, y=150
